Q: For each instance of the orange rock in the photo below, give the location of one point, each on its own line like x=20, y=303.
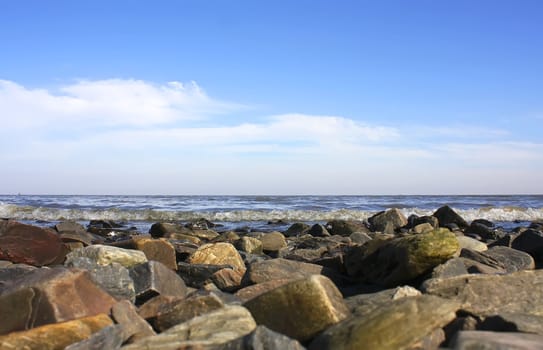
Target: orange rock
x=158, y=250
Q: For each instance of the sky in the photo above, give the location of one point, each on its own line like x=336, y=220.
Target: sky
x=271, y=97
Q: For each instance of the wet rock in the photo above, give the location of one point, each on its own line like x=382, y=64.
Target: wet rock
x=387, y=221
x=486, y=295
x=179, y=311
x=55, y=336
x=113, y=278
x=301, y=308
x=471, y=243
x=31, y=245
x=451, y=268
x=397, y=325
x=51, y=295
x=468, y=340
x=345, y=227
x=153, y=278
x=197, y=275
x=158, y=250
x=401, y=260
x=110, y=338
x=227, y=280
x=446, y=215
x=105, y=255
x=250, y=245
x=214, y=328
x=513, y=260
x=133, y=326
x=263, y=338
x=318, y=230
x=218, y=254
x=275, y=269
x=297, y=229
x=531, y=242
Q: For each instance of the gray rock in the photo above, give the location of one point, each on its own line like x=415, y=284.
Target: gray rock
x=105, y=255
x=197, y=275
x=446, y=215
x=273, y=242
x=513, y=260
x=110, y=338
x=250, y=245
x=318, y=230
x=513, y=322
x=387, y=221
x=483, y=340
x=263, y=338
x=296, y=229
x=153, y=278
x=363, y=304
x=345, y=228
x=451, y=268
x=479, y=262
x=133, y=326
x=471, y=243
x=360, y=237
x=531, y=242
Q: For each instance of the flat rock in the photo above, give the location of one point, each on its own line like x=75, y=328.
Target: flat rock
x=158, y=250
x=471, y=243
x=218, y=254
x=451, y=268
x=513, y=260
x=55, y=336
x=133, y=326
x=105, y=255
x=276, y=269
x=387, y=221
x=263, y=338
x=396, y=325
x=513, y=322
x=214, y=328
x=49, y=296
x=110, y=338
x=446, y=216
x=475, y=340
x=301, y=308
x=487, y=295
x=31, y=245
x=153, y=278
x=273, y=242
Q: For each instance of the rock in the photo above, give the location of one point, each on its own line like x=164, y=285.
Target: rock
x=345, y=228
x=360, y=237
x=446, y=215
x=513, y=260
x=110, y=338
x=179, y=311
x=165, y=229
x=273, y=242
x=301, y=308
x=12, y=272
x=229, y=236
x=49, y=296
x=158, y=250
x=472, y=244
x=263, y=338
x=227, y=280
x=318, y=230
x=513, y=322
x=69, y=226
x=450, y=268
x=422, y=228
x=364, y=304
x=255, y=290
x=275, y=269
x=206, y=235
x=250, y=245
x=531, y=242
x=414, y=220
x=486, y=295
x=154, y=278
x=387, y=221
x=468, y=340
x=482, y=230
x=214, y=328
x=31, y=245
x=197, y=275
x=180, y=237
x=113, y=278
x=397, y=325
x=297, y=229
x=55, y=336
x=218, y=254
x=133, y=326
x=479, y=262
x=105, y=255
x=403, y=259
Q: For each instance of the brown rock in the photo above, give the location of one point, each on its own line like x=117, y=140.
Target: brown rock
x=158, y=250
x=218, y=254
x=255, y=290
x=55, y=336
x=273, y=241
x=227, y=280
x=250, y=245
x=153, y=278
x=274, y=269
x=133, y=325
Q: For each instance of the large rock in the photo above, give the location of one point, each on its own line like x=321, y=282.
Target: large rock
x=273, y=241
x=531, y=242
x=387, y=221
x=105, y=255
x=249, y=245
x=110, y=338
x=300, y=309
x=49, y=296
x=397, y=325
x=363, y=304
x=345, y=227
x=475, y=340
x=513, y=260
x=485, y=295
x=446, y=216
x=133, y=326
x=471, y=243
x=113, y=278
x=158, y=250
x=255, y=290
x=31, y=245
x=318, y=230
x=218, y=254
x=165, y=229
x=513, y=322
x=275, y=269
x=401, y=260
x=154, y=278
x=263, y=338
x=198, y=275
x=55, y=336
x=297, y=229
x=214, y=328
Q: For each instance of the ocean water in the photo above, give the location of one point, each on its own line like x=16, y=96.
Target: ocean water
x=256, y=212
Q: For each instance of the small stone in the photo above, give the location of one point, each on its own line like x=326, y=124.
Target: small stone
x=250, y=245
x=158, y=250
x=273, y=242
x=134, y=327
x=164, y=229
x=105, y=255
x=301, y=308
x=110, y=338
x=55, y=336
x=468, y=340
x=218, y=254
x=153, y=278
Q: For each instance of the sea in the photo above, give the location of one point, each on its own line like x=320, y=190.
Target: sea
x=259, y=213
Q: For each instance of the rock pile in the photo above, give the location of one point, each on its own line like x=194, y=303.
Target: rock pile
x=389, y=283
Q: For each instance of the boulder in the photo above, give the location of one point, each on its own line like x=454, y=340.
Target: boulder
x=113, y=278
x=158, y=250
x=483, y=230
x=273, y=242
x=255, y=290
x=105, y=255
x=31, y=245
x=297, y=229
x=396, y=325
x=133, y=326
x=198, y=275
x=227, y=280
x=110, y=338
x=218, y=254
x=387, y=221
x=165, y=229
x=486, y=295
x=471, y=243
x=450, y=268
x=211, y=329
x=468, y=340
x=49, y=296
x=513, y=322
x=249, y=245
x=531, y=242
x=55, y=336
x=414, y=220
x=345, y=227
x=446, y=215
x=318, y=230
x=513, y=260
x=154, y=278
x=275, y=269
x=401, y=260
x=360, y=237
x=479, y=262
x=301, y=308
x=263, y=338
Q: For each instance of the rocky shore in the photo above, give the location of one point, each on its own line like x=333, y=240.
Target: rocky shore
x=432, y=282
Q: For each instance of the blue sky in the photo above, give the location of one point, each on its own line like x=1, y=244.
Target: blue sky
x=271, y=97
